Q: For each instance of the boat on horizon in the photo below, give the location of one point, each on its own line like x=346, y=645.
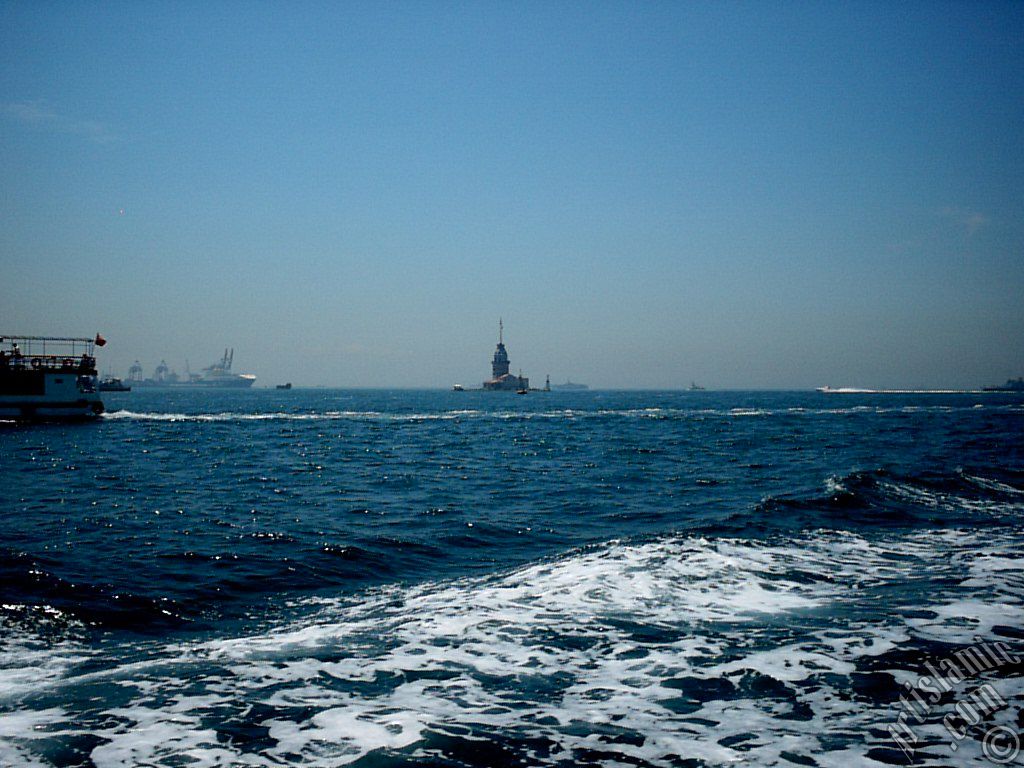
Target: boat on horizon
x=49, y=378
x=113, y=384
x=216, y=376
x=1011, y=385
x=524, y=387
x=570, y=385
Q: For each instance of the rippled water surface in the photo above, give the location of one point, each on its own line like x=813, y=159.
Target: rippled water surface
x=393, y=578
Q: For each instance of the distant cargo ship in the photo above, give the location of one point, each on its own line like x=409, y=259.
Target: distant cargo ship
x=1011, y=385
x=570, y=385
x=216, y=376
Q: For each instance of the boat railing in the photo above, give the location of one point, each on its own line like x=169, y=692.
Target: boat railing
x=69, y=354
x=63, y=346
x=82, y=365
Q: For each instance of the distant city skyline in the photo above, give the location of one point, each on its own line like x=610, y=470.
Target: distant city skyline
x=739, y=194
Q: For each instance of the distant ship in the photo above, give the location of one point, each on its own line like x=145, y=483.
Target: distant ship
x=287, y=385
x=570, y=385
x=695, y=387
x=1011, y=385
x=216, y=376
x=113, y=384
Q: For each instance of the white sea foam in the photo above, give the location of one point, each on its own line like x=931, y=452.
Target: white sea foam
x=329, y=415
x=506, y=415
x=29, y=660
x=654, y=639
x=750, y=412
x=993, y=485
x=917, y=496
x=17, y=728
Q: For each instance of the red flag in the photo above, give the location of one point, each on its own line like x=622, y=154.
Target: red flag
x=100, y=341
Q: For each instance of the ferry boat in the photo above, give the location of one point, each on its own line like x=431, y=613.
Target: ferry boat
x=49, y=378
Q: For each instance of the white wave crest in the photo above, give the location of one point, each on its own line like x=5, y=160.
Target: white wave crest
x=231, y=416
x=505, y=415
x=29, y=661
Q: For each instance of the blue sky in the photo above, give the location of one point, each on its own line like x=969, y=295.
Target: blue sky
x=744, y=194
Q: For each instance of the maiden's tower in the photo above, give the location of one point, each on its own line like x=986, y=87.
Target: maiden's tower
x=501, y=380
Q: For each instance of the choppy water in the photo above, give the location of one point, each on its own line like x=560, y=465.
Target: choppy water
x=321, y=578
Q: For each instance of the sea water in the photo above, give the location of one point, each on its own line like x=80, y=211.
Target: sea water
x=397, y=578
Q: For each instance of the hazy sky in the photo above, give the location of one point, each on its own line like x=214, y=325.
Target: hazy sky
x=783, y=194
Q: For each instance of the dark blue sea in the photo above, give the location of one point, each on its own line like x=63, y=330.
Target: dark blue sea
x=425, y=578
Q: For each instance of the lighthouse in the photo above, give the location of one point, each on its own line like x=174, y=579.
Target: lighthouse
x=501, y=379
x=499, y=365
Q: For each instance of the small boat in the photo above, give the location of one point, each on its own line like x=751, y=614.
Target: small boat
x=113, y=384
x=49, y=378
x=695, y=387
x=285, y=386
x=523, y=386
x=458, y=388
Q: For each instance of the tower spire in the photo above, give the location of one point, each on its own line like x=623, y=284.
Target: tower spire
x=499, y=365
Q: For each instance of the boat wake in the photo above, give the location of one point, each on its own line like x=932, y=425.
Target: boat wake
x=719, y=651
x=662, y=414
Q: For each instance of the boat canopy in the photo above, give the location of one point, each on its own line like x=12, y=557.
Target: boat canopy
x=50, y=353
x=52, y=345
